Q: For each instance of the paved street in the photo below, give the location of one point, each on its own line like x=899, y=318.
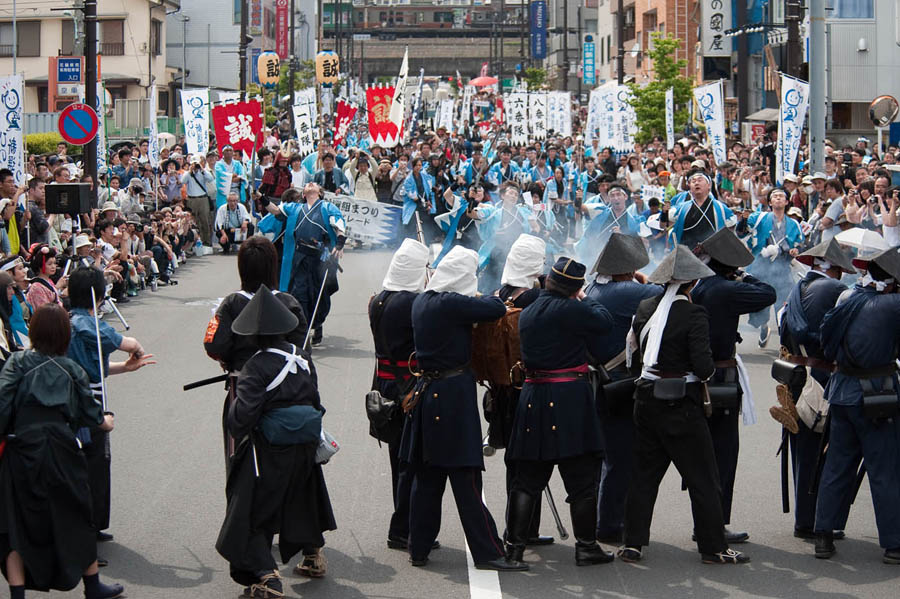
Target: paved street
x=168, y=484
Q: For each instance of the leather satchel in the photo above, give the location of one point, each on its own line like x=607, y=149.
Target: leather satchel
x=724, y=396
x=881, y=407
x=788, y=373
x=670, y=389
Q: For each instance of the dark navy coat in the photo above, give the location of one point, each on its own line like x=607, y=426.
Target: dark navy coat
x=812, y=297
x=725, y=301
x=555, y=421
x=393, y=335
x=621, y=299
x=865, y=328
x=444, y=429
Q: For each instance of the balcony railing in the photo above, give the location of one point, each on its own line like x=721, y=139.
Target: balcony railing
x=6, y=50
x=112, y=48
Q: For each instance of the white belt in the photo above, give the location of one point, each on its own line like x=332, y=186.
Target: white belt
x=292, y=360
x=689, y=377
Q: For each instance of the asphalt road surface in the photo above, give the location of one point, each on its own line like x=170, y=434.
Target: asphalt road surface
x=169, y=500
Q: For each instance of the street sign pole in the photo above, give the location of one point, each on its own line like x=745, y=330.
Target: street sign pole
x=90, y=89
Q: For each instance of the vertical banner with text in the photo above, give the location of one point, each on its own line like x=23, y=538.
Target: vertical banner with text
x=195, y=111
x=12, y=139
x=791, y=114
x=670, y=118
x=712, y=113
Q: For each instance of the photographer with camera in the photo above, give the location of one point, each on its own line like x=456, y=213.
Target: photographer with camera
x=197, y=181
x=232, y=223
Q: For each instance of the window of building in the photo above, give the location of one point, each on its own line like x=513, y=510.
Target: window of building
x=29, y=38
x=236, y=12
x=112, y=37
x=163, y=101
x=629, y=23
x=850, y=9
x=67, y=43
x=609, y=48
x=269, y=23
x=156, y=37
x=841, y=115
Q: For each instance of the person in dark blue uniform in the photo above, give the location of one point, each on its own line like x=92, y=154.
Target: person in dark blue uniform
x=442, y=434
x=390, y=318
x=862, y=334
x=809, y=301
x=726, y=296
x=556, y=422
x=521, y=284
x=671, y=335
x=619, y=288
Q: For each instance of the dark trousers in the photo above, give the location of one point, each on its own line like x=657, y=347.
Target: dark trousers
x=853, y=437
x=615, y=475
x=401, y=486
x=230, y=235
x=425, y=511
x=534, y=528
x=804, y=456
x=579, y=476
x=723, y=428
x=674, y=432
x=98, y=461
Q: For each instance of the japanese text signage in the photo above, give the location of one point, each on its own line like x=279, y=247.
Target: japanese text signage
x=791, y=115
x=712, y=112
x=12, y=155
x=716, y=19
x=539, y=29
x=68, y=70
x=282, y=28
x=589, y=72
x=238, y=125
x=367, y=221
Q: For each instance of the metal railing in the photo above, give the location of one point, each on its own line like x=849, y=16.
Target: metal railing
x=112, y=48
x=6, y=50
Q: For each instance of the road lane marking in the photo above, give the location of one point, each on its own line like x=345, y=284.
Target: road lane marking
x=483, y=584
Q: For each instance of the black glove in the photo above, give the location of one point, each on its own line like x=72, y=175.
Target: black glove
x=264, y=201
x=341, y=240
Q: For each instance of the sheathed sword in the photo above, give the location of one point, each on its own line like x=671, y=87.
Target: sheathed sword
x=563, y=533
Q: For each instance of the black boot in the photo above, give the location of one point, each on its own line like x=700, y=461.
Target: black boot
x=824, y=545
x=584, y=525
x=518, y=521
x=94, y=589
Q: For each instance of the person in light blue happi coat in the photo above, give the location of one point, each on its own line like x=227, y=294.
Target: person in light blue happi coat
x=499, y=225
x=418, y=196
x=503, y=171
x=607, y=219
x=699, y=215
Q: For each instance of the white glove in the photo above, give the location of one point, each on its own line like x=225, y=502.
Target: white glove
x=770, y=252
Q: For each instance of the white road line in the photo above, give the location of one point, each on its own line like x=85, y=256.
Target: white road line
x=483, y=584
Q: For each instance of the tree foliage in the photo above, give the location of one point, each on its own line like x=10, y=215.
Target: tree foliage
x=304, y=76
x=649, y=101
x=535, y=78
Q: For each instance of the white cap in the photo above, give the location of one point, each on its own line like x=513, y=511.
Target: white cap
x=525, y=261
x=456, y=272
x=407, y=269
x=81, y=241
x=791, y=177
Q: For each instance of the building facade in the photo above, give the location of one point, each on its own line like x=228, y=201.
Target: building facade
x=132, y=41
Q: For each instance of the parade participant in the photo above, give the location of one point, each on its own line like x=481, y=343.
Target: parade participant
x=560, y=199
x=591, y=178
x=699, y=215
x=861, y=335
x=257, y=265
x=809, y=301
x=520, y=285
x=42, y=289
x=8, y=343
x=317, y=228
x=618, y=288
x=442, y=432
x=230, y=178
x=418, y=196
x=83, y=350
x=556, y=422
x=46, y=536
x=499, y=226
x=21, y=310
x=775, y=240
x=232, y=223
x=726, y=296
x=671, y=335
x=275, y=486
x=504, y=171
x=606, y=219
x=277, y=178
x=390, y=318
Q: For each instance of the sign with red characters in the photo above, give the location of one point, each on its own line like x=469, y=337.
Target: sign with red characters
x=238, y=125
x=381, y=129
x=343, y=118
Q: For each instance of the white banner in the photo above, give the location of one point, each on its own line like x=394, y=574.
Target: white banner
x=564, y=108
x=445, y=116
x=625, y=122
x=327, y=101
x=792, y=113
x=229, y=97
x=367, y=221
x=517, y=116
x=195, y=111
x=537, y=114
x=715, y=19
x=307, y=96
x=100, y=109
x=304, y=129
x=670, y=118
x=606, y=126
x=12, y=139
x=712, y=112
x=398, y=104
x=466, y=112
x=153, y=143
x=552, y=111
x=593, y=117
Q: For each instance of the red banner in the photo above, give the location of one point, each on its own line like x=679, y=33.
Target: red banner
x=238, y=125
x=282, y=28
x=382, y=131
x=343, y=117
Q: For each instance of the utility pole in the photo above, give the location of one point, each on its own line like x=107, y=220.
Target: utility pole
x=580, y=53
x=502, y=27
x=620, y=39
x=817, y=50
x=565, y=78
x=90, y=88
x=338, y=25
x=794, y=51
x=184, y=20
x=242, y=50
x=740, y=78
x=292, y=62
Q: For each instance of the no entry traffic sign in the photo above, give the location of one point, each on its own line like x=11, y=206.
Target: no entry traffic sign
x=78, y=124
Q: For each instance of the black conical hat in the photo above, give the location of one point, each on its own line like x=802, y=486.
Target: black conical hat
x=622, y=254
x=829, y=251
x=724, y=247
x=888, y=260
x=680, y=265
x=264, y=315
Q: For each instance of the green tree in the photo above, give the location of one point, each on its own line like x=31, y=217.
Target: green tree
x=649, y=101
x=535, y=78
x=304, y=77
